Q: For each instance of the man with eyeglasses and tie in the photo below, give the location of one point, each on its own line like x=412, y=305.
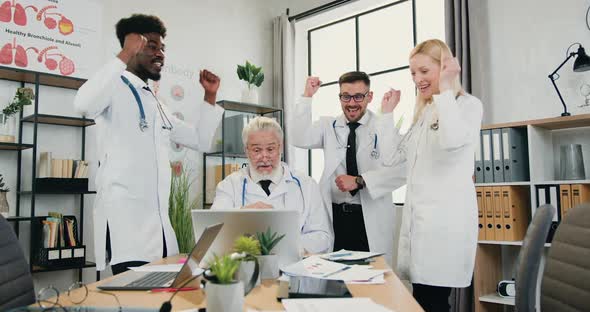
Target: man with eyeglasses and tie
x=352, y=162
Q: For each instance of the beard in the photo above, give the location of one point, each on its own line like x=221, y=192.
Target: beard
x=264, y=175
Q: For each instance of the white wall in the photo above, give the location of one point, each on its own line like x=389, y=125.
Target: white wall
x=527, y=41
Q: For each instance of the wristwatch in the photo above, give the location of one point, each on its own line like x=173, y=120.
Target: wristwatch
x=360, y=182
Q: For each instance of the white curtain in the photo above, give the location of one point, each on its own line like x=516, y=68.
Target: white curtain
x=284, y=71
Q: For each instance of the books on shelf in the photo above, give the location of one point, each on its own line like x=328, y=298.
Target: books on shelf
x=59, y=231
x=61, y=168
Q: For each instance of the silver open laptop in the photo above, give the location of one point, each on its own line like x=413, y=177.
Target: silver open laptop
x=250, y=221
x=149, y=280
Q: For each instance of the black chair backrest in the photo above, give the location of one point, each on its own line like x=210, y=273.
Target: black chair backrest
x=529, y=258
x=566, y=280
x=16, y=282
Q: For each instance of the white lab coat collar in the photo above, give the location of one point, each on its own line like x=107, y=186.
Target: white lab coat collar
x=281, y=185
x=135, y=81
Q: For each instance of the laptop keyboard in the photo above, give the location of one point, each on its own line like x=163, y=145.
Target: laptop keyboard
x=155, y=280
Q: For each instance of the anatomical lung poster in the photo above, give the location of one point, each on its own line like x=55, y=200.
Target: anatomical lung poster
x=59, y=37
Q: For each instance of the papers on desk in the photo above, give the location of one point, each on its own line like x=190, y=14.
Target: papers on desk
x=347, y=255
x=317, y=267
x=314, y=266
x=333, y=304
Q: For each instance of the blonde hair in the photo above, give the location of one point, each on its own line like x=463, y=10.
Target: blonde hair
x=437, y=50
x=261, y=123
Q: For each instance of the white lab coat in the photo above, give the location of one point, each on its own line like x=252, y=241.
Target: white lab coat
x=438, y=237
x=133, y=180
x=316, y=230
x=378, y=212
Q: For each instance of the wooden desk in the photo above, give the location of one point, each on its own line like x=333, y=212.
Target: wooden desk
x=393, y=294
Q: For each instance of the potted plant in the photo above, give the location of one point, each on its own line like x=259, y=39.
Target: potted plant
x=4, y=209
x=180, y=206
x=22, y=97
x=254, y=77
x=224, y=292
x=269, y=263
x=248, y=248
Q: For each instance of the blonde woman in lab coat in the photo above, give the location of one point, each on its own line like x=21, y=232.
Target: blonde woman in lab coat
x=439, y=226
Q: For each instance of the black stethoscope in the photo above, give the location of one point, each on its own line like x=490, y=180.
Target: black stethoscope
x=374, y=152
x=292, y=177
x=143, y=124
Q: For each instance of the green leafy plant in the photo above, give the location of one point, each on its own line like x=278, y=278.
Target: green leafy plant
x=247, y=245
x=224, y=268
x=2, y=189
x=251, y=74
x=23, y=96
x=180, y=206
x=268, y=241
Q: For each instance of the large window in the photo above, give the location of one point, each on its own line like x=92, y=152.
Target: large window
x=378, y=42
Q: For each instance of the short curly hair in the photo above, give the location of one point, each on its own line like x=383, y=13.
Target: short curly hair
x=140, y=24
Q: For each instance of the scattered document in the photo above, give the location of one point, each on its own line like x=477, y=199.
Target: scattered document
x=333, y=304
x=356, y=274
x=317, y=267
x=314, y=266
x=347, y=255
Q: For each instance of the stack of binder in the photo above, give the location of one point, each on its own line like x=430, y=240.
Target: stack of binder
x=563, y=197
x=502, y=156
x=502, y=212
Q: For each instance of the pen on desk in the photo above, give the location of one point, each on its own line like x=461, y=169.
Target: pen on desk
x=338, y=271
x=174, y=289
x=340, y=255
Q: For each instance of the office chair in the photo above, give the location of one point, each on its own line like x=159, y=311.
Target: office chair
x=566, y=280
x=529, y=258
x=16, y=282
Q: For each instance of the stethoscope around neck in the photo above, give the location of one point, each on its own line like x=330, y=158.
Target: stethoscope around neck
x=374, y=151
x=143, y=124
x=292, y=177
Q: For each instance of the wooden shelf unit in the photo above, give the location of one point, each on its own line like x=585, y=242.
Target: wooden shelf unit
x=544, y=139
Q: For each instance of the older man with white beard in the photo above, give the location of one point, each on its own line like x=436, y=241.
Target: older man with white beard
x=268, y=183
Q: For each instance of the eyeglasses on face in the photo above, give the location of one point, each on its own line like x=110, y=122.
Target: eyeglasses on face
x=359, y=97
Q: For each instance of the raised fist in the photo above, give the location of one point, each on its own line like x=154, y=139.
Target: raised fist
x=449, y=71
x=390, y=100
x=311, y=86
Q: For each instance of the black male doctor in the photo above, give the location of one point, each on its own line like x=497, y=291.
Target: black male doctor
x=134, y=131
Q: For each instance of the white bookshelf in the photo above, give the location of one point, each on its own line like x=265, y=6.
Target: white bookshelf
x=506, y=243
x=504, y=184
x=563, y=182
x=496, y=260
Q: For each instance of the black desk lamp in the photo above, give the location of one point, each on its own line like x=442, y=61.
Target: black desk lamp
x=581, y=64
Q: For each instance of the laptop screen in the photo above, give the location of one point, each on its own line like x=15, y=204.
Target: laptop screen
x=191, y=266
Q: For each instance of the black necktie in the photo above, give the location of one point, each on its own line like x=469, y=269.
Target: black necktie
x=147, y=88
x=351, y=167
x=265, y=186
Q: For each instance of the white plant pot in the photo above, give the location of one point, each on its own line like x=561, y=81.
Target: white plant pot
x=245, y=272
x=8, y=128
x=225, y=297
x=269, y=266
x=250, y=95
